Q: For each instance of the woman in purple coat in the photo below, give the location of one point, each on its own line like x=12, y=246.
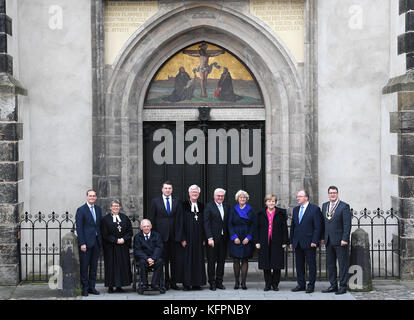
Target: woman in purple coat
x=241, y=225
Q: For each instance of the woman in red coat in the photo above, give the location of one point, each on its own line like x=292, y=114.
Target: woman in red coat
x=271, y=239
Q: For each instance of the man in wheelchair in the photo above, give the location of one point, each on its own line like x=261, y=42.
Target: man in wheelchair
x=148, y=248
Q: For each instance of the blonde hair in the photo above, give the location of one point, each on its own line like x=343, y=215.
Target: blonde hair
x=270, y=197
x=241, y=193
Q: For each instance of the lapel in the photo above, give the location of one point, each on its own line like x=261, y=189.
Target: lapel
x=89, y=213
x=327, y=209
x=162, y=204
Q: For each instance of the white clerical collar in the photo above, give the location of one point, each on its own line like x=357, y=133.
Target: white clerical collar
x=194, y=207
x=116, y=218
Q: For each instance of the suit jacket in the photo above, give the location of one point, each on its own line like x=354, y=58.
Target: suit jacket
x=339, y=226
x=87, y=230
x=309, y=229
x=148, y=249
x=213, y=223
x=161, y=221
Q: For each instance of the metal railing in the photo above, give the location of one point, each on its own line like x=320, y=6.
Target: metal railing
x=40, y=245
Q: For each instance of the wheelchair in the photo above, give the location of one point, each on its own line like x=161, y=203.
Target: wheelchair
x=137, y=278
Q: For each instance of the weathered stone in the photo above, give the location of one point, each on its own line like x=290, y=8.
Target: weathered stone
x=360, y=256
x=12, y=131
x=9, y=151
x=11, y=171
x=8, y=192
x=402, y=165
x=69, y=263
x=9, y=274
x=405, y=100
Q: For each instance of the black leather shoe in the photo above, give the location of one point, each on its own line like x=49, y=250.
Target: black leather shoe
x=275, y=288
x=330, y=289
x=266, y=288
x=212, y=287
x=119, y=289
x=141, y=291
x=220, y=286
x=93, y=291
x=85, y=293
x=186, y=288
x=162, y=290
x=110, y=290
x=297, y=288
x=243, y=285
x=341, y=290
x=155, y=288
x=310, y=289
x=236, y=285
x=197, y=288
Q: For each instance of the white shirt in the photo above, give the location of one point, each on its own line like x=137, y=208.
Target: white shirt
x=169, y=200
x=304, y=207
x=220, y=207
x=332, y=205
x=147, y=235
x=194, y=207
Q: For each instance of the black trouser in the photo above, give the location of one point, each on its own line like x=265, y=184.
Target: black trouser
x=272, y=279
x=216, y=257
x=169, y=253
x=156, y=277
x=308, y=254
x=88, y=266
x=342, y=254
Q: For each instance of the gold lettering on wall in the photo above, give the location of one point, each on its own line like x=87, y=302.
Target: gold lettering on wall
x=287, y=19
x=122, y=19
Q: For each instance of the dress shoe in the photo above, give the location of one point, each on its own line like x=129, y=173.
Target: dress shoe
x=162, y=290
x=174, y=287
x=140, y=291
x=197, y=288
x=110, y=290
x=267, y=288
x=85, y=293
x=310, y=289
x=342, y=290
x=212, y=287
x=220, y=286
x=236, y=285
x=167, y=286
x=93, y=291
x=145, y=286
x=243, y=285
x=155, y=287
x=297, y=288
x=186, y=288
x=119, y=289
x=330, y=289
x=275, y=288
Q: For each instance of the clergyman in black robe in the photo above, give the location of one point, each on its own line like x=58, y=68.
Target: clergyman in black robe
x=116, y=229
x=225, y=87
x=183, y=87
x=191, y=271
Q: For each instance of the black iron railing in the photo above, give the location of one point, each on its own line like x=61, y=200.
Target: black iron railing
x=40, y=244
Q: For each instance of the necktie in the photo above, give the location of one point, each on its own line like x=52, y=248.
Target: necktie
x=168, y=206
x=93, y=214
x=146, y=238
x=301, y=213
x=332, y=207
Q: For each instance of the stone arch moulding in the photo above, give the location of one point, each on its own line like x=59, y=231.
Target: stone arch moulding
x=167, y=32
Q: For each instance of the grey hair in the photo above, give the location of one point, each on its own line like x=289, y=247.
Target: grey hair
x=145, y=220
x=194, y=186
x=220, y=190
x=115, y=201
x=240, y=193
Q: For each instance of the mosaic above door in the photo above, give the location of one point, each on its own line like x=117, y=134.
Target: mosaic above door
x=203, y=74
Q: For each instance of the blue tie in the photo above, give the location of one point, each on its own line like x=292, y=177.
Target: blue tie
x=168, y=206
x=301, y=213
x=93, y=214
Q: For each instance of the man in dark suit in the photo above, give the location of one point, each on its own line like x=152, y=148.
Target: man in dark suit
x=164, y=210
x=148, y=251
x=337, y=215
x=215, y=226
x=305, y=233
x=88, y=228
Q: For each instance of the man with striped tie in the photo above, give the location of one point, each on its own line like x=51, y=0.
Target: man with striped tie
x=305, y=234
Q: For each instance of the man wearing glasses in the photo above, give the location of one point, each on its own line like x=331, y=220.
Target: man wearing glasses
x=215, y=226
x=305, y=234
x=337, y=216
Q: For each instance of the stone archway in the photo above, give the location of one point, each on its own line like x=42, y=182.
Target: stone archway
x=118, y=151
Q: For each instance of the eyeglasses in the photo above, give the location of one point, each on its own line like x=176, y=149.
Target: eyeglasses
x=333, y=192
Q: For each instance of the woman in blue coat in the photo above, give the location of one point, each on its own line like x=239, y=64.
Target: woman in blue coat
x=241, y=225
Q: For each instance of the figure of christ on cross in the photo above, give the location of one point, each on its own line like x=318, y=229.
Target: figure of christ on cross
x=204, y=67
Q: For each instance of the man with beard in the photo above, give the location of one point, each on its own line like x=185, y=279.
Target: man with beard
x=183, y=87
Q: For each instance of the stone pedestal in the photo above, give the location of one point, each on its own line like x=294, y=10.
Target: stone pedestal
x=360, y=262
x=69, y=263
